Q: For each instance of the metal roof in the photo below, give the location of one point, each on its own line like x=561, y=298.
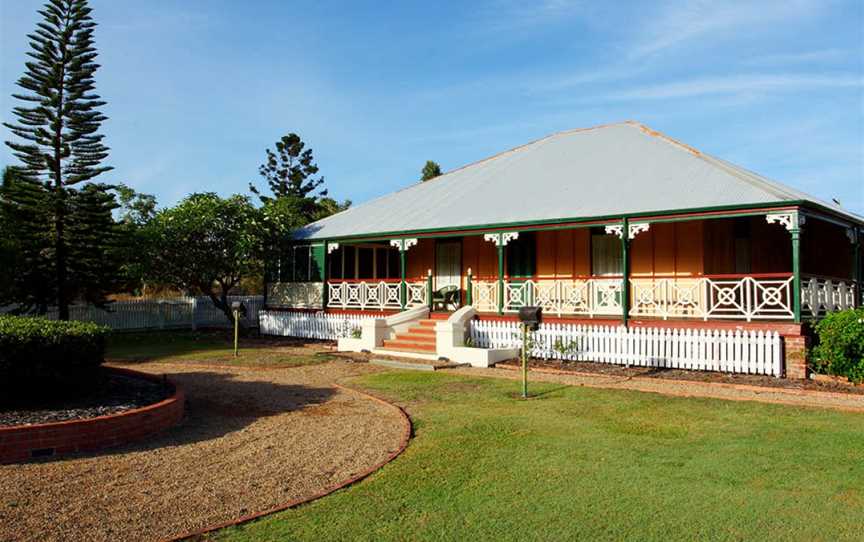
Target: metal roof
x=615, y=169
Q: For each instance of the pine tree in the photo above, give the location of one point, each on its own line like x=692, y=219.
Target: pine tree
x=58, y=122
x=430, y=171
x=290, y=175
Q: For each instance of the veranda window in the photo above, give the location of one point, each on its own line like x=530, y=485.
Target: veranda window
x=606, y=257
x=364, y=262
x=298, y=265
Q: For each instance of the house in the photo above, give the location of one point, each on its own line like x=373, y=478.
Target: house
x=616, y=224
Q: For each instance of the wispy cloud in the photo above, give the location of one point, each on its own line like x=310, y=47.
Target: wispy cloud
x=803, y=57
x=742, y=84
x=685, y=21
x=514, y=14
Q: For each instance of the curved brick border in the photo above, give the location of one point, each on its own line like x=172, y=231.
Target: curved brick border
x=407, y=431
x=22, y=443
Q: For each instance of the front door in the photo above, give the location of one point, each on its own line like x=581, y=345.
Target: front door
x=448, y=264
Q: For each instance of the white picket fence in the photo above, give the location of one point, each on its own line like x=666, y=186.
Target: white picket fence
x=155, y=314
x=310, y=325
x=750, y=352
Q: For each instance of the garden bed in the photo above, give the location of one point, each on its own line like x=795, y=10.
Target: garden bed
x=124, y=422
x=576, y=367
x=118, y=392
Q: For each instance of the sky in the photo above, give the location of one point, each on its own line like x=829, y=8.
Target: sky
x=197, y=89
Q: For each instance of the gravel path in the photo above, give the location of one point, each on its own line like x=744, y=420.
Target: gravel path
x=252, y=439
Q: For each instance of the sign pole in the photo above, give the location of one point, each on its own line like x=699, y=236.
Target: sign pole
x=524, y=361
x=236, y=329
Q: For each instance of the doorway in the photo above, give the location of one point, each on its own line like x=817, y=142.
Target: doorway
x=448, y=264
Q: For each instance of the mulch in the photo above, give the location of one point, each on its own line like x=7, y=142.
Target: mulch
x=114, y=394
x=689, y=375
x=252, y=439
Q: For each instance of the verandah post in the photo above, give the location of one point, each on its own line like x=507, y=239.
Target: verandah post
x=468, y=287
x=857, y=271
x=500, y=247
x=403, y=287
x=796, y=267
x=625, y=270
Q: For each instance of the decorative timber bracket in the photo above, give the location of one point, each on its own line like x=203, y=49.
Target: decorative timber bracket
x=331, y=247
x=791, y=221
x=403, y=244
x=501, y=239
x=632, y=229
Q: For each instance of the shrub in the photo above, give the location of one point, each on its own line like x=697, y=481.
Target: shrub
x=39, y=357
x=840, y=345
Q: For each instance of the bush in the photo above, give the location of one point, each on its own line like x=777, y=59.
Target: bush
x=840, y=345
x=44, y=358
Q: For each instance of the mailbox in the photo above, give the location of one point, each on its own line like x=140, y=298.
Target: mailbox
x=239, y=307
x=531, y=317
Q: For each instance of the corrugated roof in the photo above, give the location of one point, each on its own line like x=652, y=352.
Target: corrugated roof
x=615, y=169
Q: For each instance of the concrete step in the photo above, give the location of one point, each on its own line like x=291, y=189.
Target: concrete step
x=428, y=323
x=422, y=330
x=409, y=346
x=413, y=336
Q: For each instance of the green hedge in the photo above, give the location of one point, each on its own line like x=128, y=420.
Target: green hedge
x=40, y=357
x=839, y=346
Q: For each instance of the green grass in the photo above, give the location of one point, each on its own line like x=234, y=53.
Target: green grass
x=578, y=463
x=208, y=347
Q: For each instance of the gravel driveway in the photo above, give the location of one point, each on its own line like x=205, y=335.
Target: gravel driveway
x=252, y=439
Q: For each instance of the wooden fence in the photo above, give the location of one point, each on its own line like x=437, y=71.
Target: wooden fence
x=310, y=325
x=154, y=314
x=750, y=352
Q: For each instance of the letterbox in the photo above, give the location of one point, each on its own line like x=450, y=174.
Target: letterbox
x=531, y=317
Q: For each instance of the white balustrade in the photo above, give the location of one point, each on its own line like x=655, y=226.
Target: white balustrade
x=374, y=295
x=709, y=298
x=484, y=295
x=748, y=298
x=589, y=296
x=820, y=296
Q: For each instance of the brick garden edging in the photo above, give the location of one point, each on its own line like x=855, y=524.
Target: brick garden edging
x=407, y=431
x=22, y=443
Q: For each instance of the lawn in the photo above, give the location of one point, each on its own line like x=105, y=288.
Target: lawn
x=214, y=347
x=578, y=463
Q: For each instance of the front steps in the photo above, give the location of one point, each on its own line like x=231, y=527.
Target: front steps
x=418, y=339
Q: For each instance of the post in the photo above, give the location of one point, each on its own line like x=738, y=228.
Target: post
x=857, y=271
x=796, y=269
x=403, y=286
x=236, y=330
x=468, y=287
x=625, y=271
x=429, y=289
x=500, y=248
x=524, y=361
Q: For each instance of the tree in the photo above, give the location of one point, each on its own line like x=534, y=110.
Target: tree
x=290, y=174
x=57, y=125
x=207, y=244
x=27, y=246
x=430, y=171
x=134, y=207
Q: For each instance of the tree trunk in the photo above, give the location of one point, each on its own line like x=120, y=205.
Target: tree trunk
x=59, y=203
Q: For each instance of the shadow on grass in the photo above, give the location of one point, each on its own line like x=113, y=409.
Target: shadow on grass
x=218, y=404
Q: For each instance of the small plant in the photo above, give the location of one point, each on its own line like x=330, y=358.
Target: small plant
x=567, y=349
x=839, y=346
x=469, y=341
x=356, y=333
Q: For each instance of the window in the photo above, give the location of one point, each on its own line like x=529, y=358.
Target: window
x=742, y=246
x=364, y=262
x=522, y=256
x=299, y=264
x=606, y=257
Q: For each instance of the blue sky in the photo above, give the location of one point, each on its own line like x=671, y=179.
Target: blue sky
x=198, y=89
